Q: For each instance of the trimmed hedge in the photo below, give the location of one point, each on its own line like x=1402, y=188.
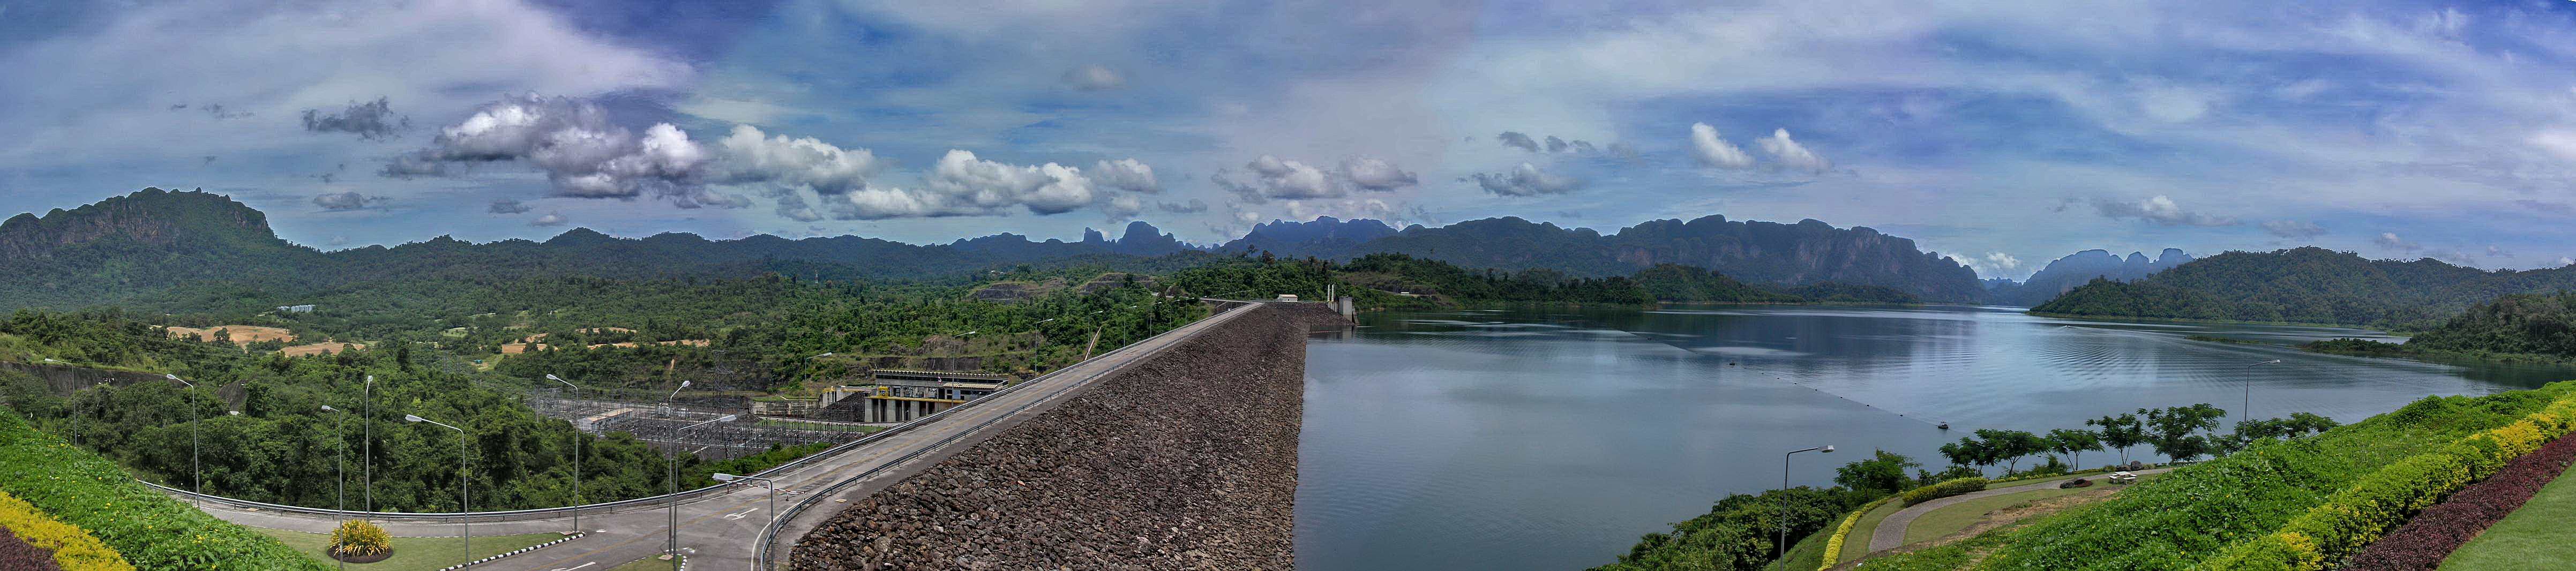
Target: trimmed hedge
x=152, y=531
x=74, y=549
x=1944, y=489
x=2357, y=515
x=1834, y=543
x=2429, y=538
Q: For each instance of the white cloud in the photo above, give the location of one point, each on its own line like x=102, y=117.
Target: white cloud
x=1526, y=180
x=1788, y=152
x=2293, y=228
x=2390, y=241
x=550, y=219
x=1995, y=264
x=1713, y=150
x=1094, y=77
x=967, y=182
x=2160, y=210
x=751, y=156
x=1371, y=173
x=1126, y=174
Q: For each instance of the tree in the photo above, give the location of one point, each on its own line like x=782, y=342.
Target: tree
x=1967, y=452
x=2121, y=432
x=2009, y=446
x=2073, y=442
x=2171, y=429
x=1885, y=472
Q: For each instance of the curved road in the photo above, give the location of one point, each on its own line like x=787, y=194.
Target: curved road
x=1890, y=533
x=720, y=531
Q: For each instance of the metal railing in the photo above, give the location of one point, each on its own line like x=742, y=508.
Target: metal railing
x=764, y=545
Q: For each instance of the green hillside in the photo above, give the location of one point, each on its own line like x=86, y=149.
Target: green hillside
x=2306, y=285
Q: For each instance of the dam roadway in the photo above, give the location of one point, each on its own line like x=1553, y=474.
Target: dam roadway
x=723, y=529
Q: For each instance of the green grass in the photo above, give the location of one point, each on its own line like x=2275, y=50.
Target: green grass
x=2536, y=536
x=1856, y=545
x=413, y=553
x=654, y=563
x=1806, y=554
x=1952, y=518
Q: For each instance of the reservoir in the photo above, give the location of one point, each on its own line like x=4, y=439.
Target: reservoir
x=1551, y=438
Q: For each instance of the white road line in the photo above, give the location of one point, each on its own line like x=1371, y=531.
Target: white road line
x=739, y=515
x=583, y=564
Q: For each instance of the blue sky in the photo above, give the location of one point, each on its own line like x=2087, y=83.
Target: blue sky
x=2001, y=133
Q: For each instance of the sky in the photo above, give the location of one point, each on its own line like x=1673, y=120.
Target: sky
x=2000, y=133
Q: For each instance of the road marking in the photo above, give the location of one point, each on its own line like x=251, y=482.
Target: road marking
x=739, y=515
x=583, y=564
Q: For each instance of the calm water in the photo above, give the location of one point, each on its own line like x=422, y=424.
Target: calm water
x=1551, y=439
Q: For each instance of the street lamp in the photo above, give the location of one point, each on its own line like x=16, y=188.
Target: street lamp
x=1780, y=519
x=673, y=547
x=195, y=472
x=464, y=496
x=577, y=437
x=772, y=485
x=340, y=431
x=367, y=444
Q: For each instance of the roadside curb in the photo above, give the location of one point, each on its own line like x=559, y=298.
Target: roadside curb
x=575, y=535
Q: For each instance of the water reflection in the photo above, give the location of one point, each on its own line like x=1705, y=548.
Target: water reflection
x=1551, y=439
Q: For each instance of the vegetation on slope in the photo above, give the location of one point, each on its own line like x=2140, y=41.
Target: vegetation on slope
x=2307, y=285
x=2519, y=327
x=151, y=530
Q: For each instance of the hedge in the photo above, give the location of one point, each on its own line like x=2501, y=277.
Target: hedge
x=74, y=549
x=2357, y=515
x=1944, y=489
x=1834, y=543
x=152, y=531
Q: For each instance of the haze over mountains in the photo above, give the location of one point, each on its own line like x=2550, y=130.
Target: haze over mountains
x=2075, y=269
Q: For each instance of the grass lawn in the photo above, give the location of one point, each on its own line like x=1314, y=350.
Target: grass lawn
x=413, y=553
x=655, y=563
x=1806, y=554
x=1959, y=516
x=1857, y=544
x=2536, y=536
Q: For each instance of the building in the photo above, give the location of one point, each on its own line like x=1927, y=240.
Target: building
x=902, y=396
x=804, y=407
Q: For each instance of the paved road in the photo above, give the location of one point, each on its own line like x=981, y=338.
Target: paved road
x=719, y=531
x=1891, y=533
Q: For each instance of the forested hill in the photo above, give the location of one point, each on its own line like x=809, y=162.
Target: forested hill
x=2308, y=285
x=1807, y=252
x=195, y=249
x=2524, y=324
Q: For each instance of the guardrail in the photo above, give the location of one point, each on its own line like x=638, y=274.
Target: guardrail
x=764, y=545
x=686, y=496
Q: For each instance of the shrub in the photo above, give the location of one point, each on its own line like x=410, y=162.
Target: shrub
x=1944, y=490
x=74, y=549
x=358, y=538
x=1834, y=543
x=2357, y=515
x=151, y=530
x=2430, y=537
x=1739, y=532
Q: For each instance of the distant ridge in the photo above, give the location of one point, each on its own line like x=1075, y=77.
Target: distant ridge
x=2076, y=269
x=2307, y=285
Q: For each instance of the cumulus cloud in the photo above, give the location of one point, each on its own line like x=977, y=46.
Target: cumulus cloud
x=1094, y=77
x=1194, y=206
x=2293, y=229
x=508, y=206
x=350, y=200
x=964, y=181
x=371, y=120
x=1126, y=174
x=1526, y=180
x=550, y=219
x=1371, y=173
x=1995, y=264
x=750, y=156
x=1519, y=140
x=1713, y=150
x=2161, y=210
x=1275, y=178
x=2390, y=240
x=1787, y=151
x=1549, y=144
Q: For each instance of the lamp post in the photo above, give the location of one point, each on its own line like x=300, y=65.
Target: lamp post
x=195, y=471
x=772, y=485
x=1780, y=519
x=673, y=548
x=464, y=495
x=340, y=431
x=367, y=444
x=577, y=437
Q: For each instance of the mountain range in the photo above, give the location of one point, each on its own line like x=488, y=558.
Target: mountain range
x=2075, y=269
x=2308, y=285
x=165, y=245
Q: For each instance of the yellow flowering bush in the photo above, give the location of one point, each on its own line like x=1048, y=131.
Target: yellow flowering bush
x=358, y=538
x=1834, y=543
x=74, y=549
